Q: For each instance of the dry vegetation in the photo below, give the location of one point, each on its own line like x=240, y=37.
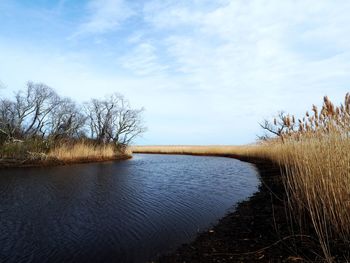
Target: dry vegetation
x=82, y=151
x=187, y=149
x=314, y=156
x=34, y=152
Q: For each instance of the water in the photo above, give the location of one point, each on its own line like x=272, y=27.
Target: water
x=126, y=211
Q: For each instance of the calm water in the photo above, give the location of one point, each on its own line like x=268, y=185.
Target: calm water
x=127, y=211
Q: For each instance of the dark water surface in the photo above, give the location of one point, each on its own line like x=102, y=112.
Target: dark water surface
x=126, y=211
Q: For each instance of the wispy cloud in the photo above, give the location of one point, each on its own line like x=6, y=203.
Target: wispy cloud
x=253, y=46
x=104, y=16
x=143, y=60
x=2, y=85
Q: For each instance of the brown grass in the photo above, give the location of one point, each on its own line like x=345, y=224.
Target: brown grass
x=188, y=149
x=314, y=157
x=40, y=153
x=82, y=151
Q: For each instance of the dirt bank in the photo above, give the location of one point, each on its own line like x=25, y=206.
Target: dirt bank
x=261, y=229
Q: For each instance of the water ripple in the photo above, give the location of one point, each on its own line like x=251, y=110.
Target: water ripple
x=126, y=211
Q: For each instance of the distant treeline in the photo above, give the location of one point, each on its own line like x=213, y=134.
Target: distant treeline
x=38, y=112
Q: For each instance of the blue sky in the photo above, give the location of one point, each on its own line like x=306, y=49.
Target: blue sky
x=206, y=71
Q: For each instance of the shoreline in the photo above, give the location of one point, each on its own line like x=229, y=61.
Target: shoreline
x=26, y=163
x=259, y=229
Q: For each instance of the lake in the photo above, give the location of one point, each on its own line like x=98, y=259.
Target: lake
x=124, y=211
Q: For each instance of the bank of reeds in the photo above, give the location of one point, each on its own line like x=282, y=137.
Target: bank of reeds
x=83, y=152
x=314, y=156
x=188, y=149
x=37, y=152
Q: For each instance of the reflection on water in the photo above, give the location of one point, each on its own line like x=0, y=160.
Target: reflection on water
x=127, y=211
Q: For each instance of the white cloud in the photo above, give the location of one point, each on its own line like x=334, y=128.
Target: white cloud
x=2, y=85
x=143, y=60
x=256, y=45
x=105, y=16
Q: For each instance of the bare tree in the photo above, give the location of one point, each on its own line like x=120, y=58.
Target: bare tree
x=33, y=106
x=127, y=126
x=282, y=124
x=28, y=114
x=66, y=120
x=8, y=119
x=99, y=114
x=38, y=112
x=112, y=119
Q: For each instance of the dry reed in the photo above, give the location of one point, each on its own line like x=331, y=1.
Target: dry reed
x=187, y=149
x=82, y=151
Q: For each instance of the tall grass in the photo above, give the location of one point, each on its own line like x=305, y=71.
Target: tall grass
x=82, y=151
x=317, y=178
x=314, y=156
x=39, y=150
x=187, y=149
x=316, y=168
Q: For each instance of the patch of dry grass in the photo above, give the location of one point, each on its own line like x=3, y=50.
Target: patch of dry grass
x=188, y=149
x=317, y=178
x=23, y=154
x=82, y=151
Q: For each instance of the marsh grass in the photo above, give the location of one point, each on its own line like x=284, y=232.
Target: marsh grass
x=37, y=151
x=82, y=151
x=187, y=149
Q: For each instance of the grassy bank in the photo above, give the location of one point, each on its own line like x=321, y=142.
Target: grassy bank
x=188, y=149
x=37, y=153
x=314, y=158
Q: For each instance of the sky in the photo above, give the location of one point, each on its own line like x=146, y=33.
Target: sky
x=206, y=72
